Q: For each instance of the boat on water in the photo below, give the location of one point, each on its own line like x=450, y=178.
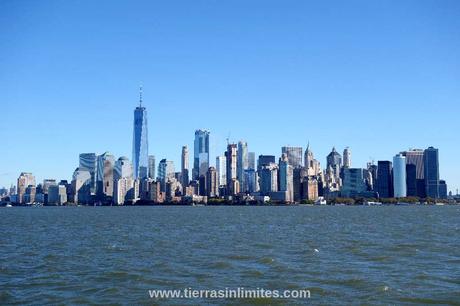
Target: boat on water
x=439, y=204
x=372, y=203
x=320, y=201
x=8, y=205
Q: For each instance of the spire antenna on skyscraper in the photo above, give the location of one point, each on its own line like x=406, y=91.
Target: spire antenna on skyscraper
x=140, y=95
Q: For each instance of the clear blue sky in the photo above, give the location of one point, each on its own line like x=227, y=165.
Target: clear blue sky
x=378, y=76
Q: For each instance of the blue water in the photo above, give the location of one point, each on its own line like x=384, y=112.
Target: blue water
x=102, y=255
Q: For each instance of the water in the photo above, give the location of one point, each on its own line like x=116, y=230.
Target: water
x=89, y=255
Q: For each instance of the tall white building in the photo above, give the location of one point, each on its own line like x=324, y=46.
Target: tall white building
x=243, y=161
x=399, y=176
x=221, y=167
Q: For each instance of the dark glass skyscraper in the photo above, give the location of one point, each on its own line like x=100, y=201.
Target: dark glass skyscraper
x=431, y=163
x=384, y=179
x=140, y=142
x=411, y=180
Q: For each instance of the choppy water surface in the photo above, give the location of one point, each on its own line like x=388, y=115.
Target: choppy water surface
x=373, y=255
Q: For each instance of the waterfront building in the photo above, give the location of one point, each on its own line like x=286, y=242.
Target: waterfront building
x=354, y=182
x=123, y=181
x=234, y=187
x=29, y=196
x=81, y=185
x=347, y=158
x=25, y=180
x=123, y=168
x=123, y=190
x=231, y=157
x=294, y=155
x=104, y=176
x=242, y=161
x=399, y=176
x=312, y=165
x=442, y=189
x=415, y=157
x=152, y=169
x=372, y=176
x=431, y=168
x=411, y=180
x=309, y=188
x=185, y=167
x=140, y=141
x=212, y=187
x=57, y=195
x=286, y=178
x=46, y=184
x=268, y=177
x=384, y=179
x=201, y=153
x=88, y=162
x=332, y=181
x=166, y=171
x=334, y=162
x=155, y=191
x=221, y=168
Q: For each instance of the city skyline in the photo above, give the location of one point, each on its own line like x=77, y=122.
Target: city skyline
x=318, y=76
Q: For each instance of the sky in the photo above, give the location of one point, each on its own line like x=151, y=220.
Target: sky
x=377, y=76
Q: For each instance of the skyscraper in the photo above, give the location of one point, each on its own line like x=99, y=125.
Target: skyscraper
x=431, y=167
x=221, y=167
x=140, y=141
x=25, y=180
x=286, y=182
x=294, y=155
x=243, y=162
x=347, y=158
x=268, y=178
x=265, y=160
x=411, y=180
x=384, y=179
x=312, y=166
x=334, y=161
x=81, y=185
x=200, y=153
x=211, y=181
x=152, y=173
x=165, y=172
x=231, y=156
x=415, y=157
x=185, y=167
x=88, y=162
x=104, y=175
x=354, y=182
x=399, y=176
x=123, y=168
